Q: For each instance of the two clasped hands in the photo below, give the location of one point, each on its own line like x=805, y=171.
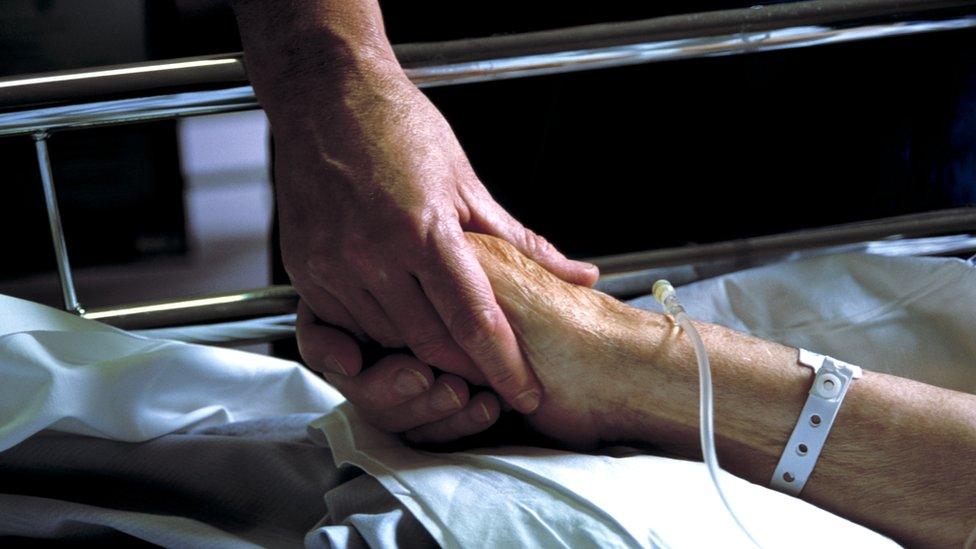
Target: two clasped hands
x=374, y=196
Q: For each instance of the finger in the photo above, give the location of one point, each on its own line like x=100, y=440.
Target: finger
x=325, y=349
x=390, y=382
x=448, y=395
x=460, y=292
x=422, y=330
x=328, y=309
x=370, y=316
x=492, y=219
x=482, y=411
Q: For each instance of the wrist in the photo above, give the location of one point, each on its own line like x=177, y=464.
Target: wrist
x=655, y=385
x=308, y=54
x=291, y=90
x=758, y=390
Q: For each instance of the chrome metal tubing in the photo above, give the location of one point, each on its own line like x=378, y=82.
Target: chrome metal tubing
x=669, y=50
x=54, y=220
x=122, y=111
x=631, y=284
x=227, y=70
x=838, y=14
x=620, y=273
x=121, y=81
x=622, y=285
x=958, y=220
x=729, y=32
x=270, y=301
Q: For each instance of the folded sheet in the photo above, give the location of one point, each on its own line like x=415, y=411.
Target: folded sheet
x=533, y=497
x=70, y=375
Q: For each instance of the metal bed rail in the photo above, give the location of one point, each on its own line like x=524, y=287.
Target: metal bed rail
x=621, y=275
x=90, y=98
x=38, y=105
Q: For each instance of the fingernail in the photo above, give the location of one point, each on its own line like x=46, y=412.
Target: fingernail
x=334, y=365
x=527, y=402
x=410, y=382
x=589, y=267
x=445, y=399
x=480, y=413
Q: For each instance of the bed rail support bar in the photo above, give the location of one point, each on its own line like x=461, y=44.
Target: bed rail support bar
x=54, y=220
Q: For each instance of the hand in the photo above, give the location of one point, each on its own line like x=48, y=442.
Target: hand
x=592, y=354
x=374, y=195
x=598, y=359
x=398, y=394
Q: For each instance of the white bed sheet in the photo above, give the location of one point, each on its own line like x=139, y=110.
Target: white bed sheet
x=65, y=374
x=913, y=317
x=70, y=375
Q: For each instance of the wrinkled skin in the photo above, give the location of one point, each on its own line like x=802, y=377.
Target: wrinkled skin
x=570, y=335
x=374, y=196
x=580, y=343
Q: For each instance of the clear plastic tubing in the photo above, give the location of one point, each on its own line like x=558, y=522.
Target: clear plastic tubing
x=668, y=298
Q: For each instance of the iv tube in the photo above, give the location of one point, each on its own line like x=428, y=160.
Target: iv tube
x=668, y=298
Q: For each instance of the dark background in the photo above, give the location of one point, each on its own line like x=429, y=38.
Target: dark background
x=600, y=162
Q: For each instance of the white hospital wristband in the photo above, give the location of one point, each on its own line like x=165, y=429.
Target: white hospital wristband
x=832, y=380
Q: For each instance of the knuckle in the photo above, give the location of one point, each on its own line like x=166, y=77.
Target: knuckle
x=372, y=399
x=441, y=227
x=407, y=223
x=384, y=333
x=535, y=244
x=475, y=329
x=434, y=349
x=317, y=267
x=354, y=255
x=376, y=277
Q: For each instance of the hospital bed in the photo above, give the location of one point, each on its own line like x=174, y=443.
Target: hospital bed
x=39, y=106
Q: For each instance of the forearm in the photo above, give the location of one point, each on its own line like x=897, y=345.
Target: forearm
x=300, y=52
x=899, y=458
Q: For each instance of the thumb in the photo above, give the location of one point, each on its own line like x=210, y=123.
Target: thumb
x=495, y=221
